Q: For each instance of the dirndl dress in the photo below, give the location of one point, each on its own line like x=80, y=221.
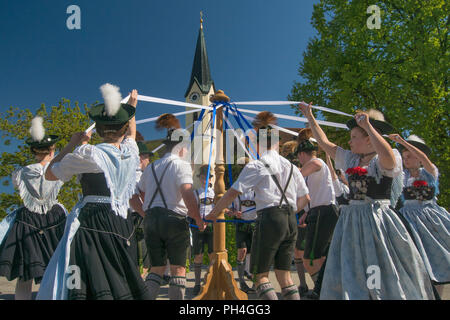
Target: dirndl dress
x=96, y=258
x=429, y=223
x=372, y=255
x=30, y=234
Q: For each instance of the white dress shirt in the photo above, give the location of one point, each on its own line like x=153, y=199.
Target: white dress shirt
x=200, y=195
x=257, y=177
x=178, y=173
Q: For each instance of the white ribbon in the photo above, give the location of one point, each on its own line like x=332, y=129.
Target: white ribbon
x=299, y=119
x=238, y=138
x=199, y=107
x=280, y=103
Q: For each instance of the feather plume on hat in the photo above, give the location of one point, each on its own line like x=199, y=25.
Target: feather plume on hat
x=112, y=97
x=168, y=121
x=375, y=114
x=413, y=137
x=264, y=119
x=37, y=130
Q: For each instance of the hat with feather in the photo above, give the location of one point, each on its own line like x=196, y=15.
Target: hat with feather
x=416, y=142
x=38, y=137
x=171, y=123
x=305, y=141
x=263, y=125
x=112, y=111
x=376, y=119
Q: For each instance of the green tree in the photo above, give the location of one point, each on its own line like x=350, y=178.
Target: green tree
x=62, y=120
x=400, y=69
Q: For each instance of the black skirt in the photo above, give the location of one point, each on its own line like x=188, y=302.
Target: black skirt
x=105, y=259
x=30, y=243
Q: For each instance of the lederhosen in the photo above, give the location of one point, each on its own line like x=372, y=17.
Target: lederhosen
x=275, y=234
x=166, y=232
x=199, y=239
x=244, y=229
x=320, y=222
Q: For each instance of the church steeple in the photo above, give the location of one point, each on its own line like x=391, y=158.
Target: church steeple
x=200, y=74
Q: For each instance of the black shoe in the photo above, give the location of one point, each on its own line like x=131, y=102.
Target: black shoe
x=248, y=275
x=313, y=296
x=302, y=291
x=196, y=290
x=246, y=288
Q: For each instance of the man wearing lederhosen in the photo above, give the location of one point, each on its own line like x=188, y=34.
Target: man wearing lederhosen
x=280, y=191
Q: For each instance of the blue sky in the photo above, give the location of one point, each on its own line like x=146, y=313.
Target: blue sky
x=254, y=49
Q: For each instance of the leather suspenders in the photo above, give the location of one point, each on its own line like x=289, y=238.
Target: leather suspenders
x=158, y=185
x=283, y=192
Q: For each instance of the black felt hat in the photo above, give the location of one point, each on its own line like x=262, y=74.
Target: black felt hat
x=47, y=141
x=38, y=137
x=380, y=125
x=416, y=142
x=124, y=113
x=112, y=111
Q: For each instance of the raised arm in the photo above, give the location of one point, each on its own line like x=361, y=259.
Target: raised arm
x=77, y=138
x=419, y=154
x=317, y=131
x=331, y=167
x=132, y=101
x=386, y=156
x=223, y=203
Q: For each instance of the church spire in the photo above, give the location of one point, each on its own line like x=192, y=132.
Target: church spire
x=200, y=69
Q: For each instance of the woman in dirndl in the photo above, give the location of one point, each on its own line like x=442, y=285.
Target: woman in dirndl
x=429, y=222
x=95, y=258
x=30, y=234
x=372, y=254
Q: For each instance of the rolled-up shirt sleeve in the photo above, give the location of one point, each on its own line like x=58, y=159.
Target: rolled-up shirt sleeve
x=184, y=173
x=77, y=162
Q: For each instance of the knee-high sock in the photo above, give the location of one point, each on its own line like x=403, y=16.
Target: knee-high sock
x=177, y=288
x=240, y=269
x=23, y=290
x=290, y=293
x=153, y=282
x=198, y=273
x=266, y=292
x=319, y=279
x=247, y=263
x=301, y=272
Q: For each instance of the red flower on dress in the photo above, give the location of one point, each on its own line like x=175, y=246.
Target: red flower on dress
x=356, y=171
x=420, y=183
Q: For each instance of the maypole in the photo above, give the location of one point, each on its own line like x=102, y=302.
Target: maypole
x=220, y=283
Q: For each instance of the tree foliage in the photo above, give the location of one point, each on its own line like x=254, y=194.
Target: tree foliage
x=400, y=69
x=62, y=120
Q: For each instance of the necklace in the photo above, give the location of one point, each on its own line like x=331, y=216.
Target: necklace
x=363, y=155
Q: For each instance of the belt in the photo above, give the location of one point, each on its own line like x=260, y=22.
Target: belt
x=417, y=202
x=370, y=200
x=169, y=212
x=282, y=207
